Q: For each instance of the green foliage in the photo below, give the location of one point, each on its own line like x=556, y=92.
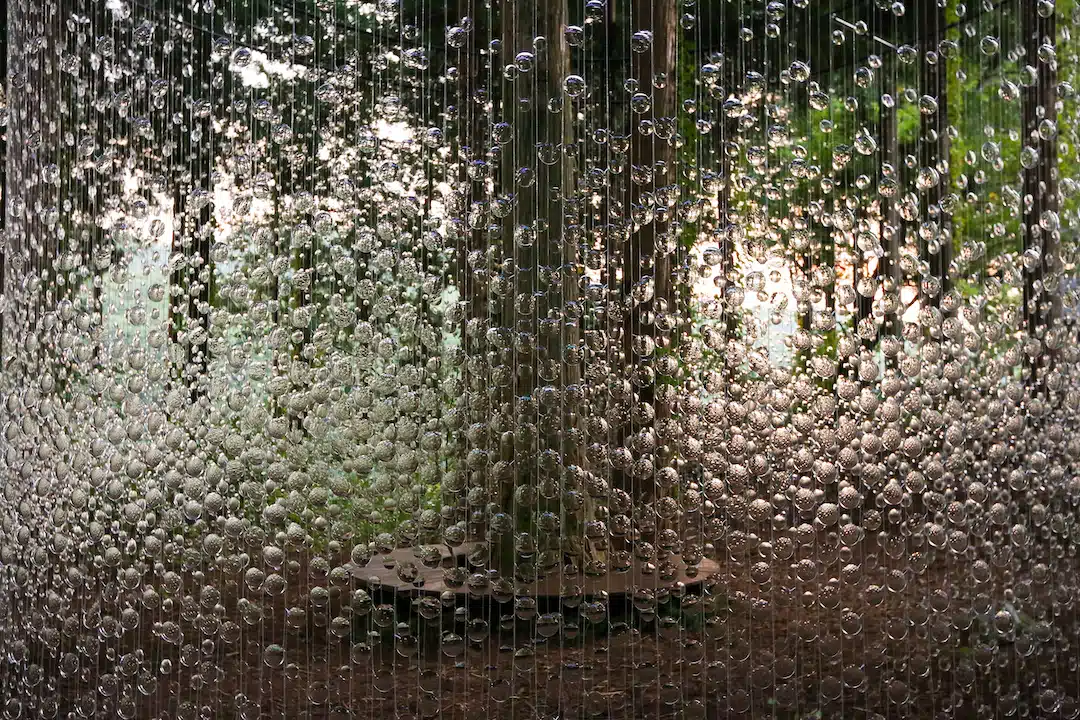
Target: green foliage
x=908, y=122
x=1068, y=54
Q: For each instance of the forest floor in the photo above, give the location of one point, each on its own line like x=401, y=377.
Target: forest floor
x=794, y=647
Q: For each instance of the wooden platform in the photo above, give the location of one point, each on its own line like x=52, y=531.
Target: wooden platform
x=403, y=572
x=392, y=572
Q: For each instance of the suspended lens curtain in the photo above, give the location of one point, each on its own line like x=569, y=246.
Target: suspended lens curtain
x=539, y=359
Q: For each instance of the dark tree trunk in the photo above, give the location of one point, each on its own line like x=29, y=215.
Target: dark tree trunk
x=890, y=231
x=934, y=143
x=517, y=296
x=1041, y=308
x=650, y=253
x=190, y=167
x=727, y=248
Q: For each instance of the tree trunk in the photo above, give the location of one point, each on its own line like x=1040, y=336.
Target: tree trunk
x=189, y=166
x=1041, y=236
x=891, y=229
x=532, y=185
x=649, y=254
x=934, y=144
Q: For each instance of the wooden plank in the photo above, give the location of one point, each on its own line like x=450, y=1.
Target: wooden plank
x=646, y=576
x=405, y=570
x=402, y=571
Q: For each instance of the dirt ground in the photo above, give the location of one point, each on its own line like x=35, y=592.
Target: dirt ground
x=798, y=646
